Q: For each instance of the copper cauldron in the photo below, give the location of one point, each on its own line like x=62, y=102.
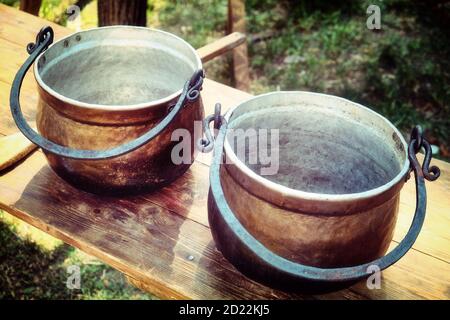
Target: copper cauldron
x=329, y=211
x=109, y=100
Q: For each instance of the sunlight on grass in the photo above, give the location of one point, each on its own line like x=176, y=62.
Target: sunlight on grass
x=30, y=233
x=89, y=17
x=33, y=265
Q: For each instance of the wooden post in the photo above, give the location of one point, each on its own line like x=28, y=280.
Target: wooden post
x=236, y=22
x=31, y=6
x=114, y=12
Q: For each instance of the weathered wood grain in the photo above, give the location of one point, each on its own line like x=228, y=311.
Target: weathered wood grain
x=156, y=245
x=17, y=29
x=12, y=50
x=162, y=239
x=13, y=148
x=221, y=46
x=132, y=234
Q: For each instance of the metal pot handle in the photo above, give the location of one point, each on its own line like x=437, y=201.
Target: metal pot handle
x=190, y=93
x=271, y=262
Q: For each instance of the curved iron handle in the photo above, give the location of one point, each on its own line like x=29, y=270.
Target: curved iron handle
x=191, y=92
x=297, y=271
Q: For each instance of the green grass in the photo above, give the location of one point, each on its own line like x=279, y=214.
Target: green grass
x=401, y=71
x=33, y=265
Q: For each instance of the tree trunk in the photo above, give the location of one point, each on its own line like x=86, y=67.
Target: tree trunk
x=114, y=12
x=31, y=6
x=82, y=3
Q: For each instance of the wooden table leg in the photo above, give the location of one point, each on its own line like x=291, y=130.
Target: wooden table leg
x=236, y=23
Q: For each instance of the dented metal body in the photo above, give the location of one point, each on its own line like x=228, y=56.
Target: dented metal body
x=329, y=211
x=101, y=91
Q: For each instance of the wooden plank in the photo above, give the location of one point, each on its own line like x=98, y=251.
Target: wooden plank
x=415, y=276
x=435, y=224
x=23, y=25
x=139, y=238
x=236, y=22
x=221, y=46
x=153, y=237
x=13, y=148
x=16, y=31
x=434, y=239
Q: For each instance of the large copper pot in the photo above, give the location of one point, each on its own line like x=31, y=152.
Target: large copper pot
x=328, y=212
x=109, y=101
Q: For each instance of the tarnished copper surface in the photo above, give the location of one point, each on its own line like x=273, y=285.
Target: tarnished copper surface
x=317, y=240
x=103, y=87
x=333, y=201
x=148, y=167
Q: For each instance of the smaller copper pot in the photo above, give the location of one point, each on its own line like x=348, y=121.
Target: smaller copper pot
x=328, y=212
x=109, y=101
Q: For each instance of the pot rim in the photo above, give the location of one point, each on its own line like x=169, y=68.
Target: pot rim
x=312, y=196
x=95, y=106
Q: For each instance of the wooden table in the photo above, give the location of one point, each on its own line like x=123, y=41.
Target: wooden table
x=162, y=241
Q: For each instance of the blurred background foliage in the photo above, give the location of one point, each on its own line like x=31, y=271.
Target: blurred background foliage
x=402, y=71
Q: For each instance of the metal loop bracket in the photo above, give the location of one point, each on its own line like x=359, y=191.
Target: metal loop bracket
x=195, y=85
x=207, y=144
x=45, y=36
x=416, y=136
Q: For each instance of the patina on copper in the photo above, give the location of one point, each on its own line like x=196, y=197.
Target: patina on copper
x=329, y=213
x=106, y=91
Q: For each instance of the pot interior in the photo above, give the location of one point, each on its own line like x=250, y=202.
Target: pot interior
x=327, y=145
x=118, y=66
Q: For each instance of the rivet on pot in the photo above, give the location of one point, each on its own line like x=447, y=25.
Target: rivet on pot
x=170, y=108
x=78, y=38
x=66, y=43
